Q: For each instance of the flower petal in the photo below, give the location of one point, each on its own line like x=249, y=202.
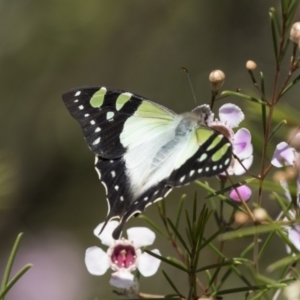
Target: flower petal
x=294, y=237
x=96, y=260
x=231, y=114
x=243, y=190
x=147, y=264
x=141, y=236
x=106, y=235
x=285, y=187
x=242, y=146
x=285, y=153
x=122, y=279
x=238, y=170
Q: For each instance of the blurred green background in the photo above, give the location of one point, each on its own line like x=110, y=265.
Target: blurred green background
x=49, y=188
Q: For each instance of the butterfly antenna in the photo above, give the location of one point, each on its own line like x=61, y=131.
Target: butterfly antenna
x=190, y=82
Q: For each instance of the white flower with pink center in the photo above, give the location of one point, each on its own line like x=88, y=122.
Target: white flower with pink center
x=230, y=116
x=123, y=256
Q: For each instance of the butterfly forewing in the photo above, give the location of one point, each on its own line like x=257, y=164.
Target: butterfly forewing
x=143, y=149
x=102, y=113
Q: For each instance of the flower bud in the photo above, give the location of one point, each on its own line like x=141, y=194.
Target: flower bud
x=251, y=65
x=242, y=191
x=292, y=291
x=216, y=79
x=295, y=32
x=260, y=214
x=240, y=217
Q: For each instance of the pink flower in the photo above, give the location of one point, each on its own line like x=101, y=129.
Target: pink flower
x=123, y=256
x=294, y=237
x=284, y=155
x=230, y=117
x=244, y=191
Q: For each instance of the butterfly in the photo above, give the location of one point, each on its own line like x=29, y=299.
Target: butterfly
x=143, y=149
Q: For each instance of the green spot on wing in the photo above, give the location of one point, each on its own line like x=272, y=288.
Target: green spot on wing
x=220, y=153
x=122, y=99
x=110, y=114
x=203, y=134
x=215, y=142
x=98, y=98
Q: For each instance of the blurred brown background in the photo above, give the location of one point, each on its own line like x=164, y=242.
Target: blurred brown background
x=49, y=189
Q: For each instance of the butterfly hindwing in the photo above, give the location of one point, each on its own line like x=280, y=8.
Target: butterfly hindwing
x=121, y=201
x=212, y=158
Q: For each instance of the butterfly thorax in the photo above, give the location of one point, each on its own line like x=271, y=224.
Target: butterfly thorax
x=203, y=114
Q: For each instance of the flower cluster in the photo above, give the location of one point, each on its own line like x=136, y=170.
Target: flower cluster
x=284, y=156
x=230, y=116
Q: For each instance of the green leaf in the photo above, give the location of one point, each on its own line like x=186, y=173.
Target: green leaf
x=284, y=7
x=263, y=107
x=264, y=118
x=210, y=239
x=153, y=225
x=285, y=48
x=266, y=244
x=10, y=262
x=264, y=279
x=286, y=261
x=243, y=96
x=274, y=37
x=195, y=208
x=222, y=197
x=171, y=283
x=233, y=268
x=258, y=296
x=179, y=210
x=178, y=235
x=213, y=279
x=201, y=224
x=277, y=127
x=229, y=188
x=189, y=227
x=229, y=262
x=290, y=85
x=14, y=280
x=250, y=231
x=276, y=20
x=190, y=295
x=285, y=238
x=167, y=260
x=249, y=288
x=247, y=249
x=292, y=11
x=282, y=203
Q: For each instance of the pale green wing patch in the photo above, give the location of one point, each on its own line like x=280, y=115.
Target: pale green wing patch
x=122, y=100
x=98, y=98
x=149, y=109
x=221, y=152
x=202, y=134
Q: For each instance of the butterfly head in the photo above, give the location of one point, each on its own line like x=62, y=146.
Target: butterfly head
x=203, y=114
x=205, y=117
